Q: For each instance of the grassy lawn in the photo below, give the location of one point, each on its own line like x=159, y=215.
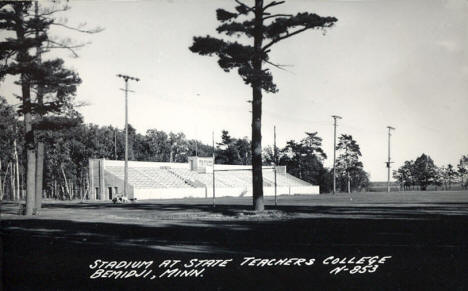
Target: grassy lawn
x=425, y=233
x=239, y=209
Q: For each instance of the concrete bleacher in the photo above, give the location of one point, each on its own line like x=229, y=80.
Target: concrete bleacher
x=146, y=177
x=239, y=178
x=153, y=180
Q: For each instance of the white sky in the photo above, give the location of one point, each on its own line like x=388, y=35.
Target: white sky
x=387, y=62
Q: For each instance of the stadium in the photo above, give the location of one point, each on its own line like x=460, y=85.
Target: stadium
x=157, y=180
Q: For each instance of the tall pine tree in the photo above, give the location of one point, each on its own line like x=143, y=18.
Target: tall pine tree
x=53, y=84
x=264, y=29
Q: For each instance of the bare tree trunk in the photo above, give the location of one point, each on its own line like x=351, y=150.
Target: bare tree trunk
x=13, y=185
x=16, y=187
x=39, y=175
x=257, y=177
x=349, y=183
x=66, y=181
x=63, y=193
x=80, y=189
x=2, y=182
x=55, y=189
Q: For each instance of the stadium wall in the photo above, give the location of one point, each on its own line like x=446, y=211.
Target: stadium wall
x=174, y=193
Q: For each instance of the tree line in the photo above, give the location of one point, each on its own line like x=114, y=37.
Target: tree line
x=423, y=172
x=48, y=88
x=68, y=149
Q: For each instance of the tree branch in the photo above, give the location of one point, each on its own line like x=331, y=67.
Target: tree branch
x=244, y=5
x=46, y=12
x=274, y=3
x=96, y=30
x=281, y=67
x=277, y=15
x=284, y=37
x=64, y=46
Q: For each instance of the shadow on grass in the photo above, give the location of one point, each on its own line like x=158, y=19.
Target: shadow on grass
x=425, y=248
x=417, y=226
x=421, y=211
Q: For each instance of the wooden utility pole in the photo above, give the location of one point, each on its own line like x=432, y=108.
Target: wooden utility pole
x=126, y=78
x=389, y=159
x=335, y=117
x=115, y=144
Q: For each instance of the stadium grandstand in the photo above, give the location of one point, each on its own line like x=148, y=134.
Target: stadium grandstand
x=155, y=180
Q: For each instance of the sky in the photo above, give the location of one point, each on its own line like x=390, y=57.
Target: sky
x=400, y=63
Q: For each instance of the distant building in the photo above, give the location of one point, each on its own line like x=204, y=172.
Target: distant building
x=154, y=180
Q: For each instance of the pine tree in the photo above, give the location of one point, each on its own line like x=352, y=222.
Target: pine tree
x=30, y=27
x=265, y=29
x=348, y=163
x=14, y=17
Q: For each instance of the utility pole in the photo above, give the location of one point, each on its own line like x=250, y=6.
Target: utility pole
x=276, y=162
x=126, y=78
x=335, y=117
x=389, y=160
x=115, y=144
x=214, y=195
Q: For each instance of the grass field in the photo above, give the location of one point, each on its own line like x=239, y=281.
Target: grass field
x=425, y=233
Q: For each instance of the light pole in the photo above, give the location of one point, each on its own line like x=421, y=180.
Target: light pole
x=335, y=117
x=389, y=160
x=126, y=78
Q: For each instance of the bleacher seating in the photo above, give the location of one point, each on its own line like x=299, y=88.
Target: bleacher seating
x=166, y=177
x=149, y=177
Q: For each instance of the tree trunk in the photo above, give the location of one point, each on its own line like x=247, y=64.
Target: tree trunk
x=40, y=145
x=2, y=190
x=349, y=184
x=63, y=193
x=16, y=191
x=13, y=185
x=39, y=174
x=30, y=152
x=257, y=177
x=81, y=185
x=66, y=182
x=23, y=59
x=2, y=182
